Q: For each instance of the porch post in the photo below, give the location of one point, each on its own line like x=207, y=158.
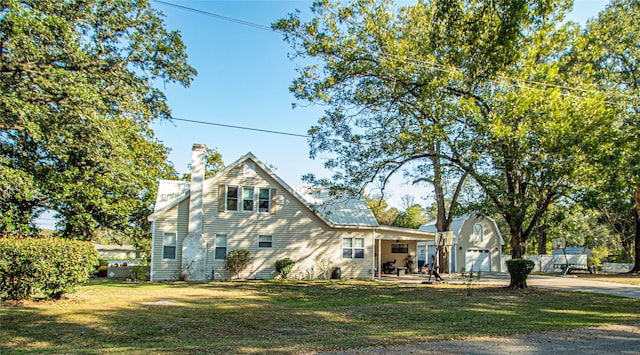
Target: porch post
x=379, y=259
x=373, y=254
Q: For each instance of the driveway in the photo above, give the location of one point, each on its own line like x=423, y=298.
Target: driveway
x=566, y=283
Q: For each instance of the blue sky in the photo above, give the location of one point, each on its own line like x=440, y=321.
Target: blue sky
x=243, y=79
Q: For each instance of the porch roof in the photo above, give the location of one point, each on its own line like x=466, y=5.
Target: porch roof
x=405, y=234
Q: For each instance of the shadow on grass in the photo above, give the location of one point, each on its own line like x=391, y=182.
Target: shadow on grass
x=289, y=317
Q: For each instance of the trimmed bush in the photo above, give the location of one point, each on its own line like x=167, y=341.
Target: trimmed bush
x=49, y=266
x=284, y=267
x=236, y=261
x=519, y=269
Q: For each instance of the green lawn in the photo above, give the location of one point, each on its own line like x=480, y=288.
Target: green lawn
x=289, y=317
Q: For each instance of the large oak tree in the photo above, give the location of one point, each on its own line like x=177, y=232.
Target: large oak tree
x=78, y=89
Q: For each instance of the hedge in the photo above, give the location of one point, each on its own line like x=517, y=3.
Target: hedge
x=48, y=267
x=519, y=269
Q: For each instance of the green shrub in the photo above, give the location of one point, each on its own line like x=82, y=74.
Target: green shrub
x=50, y=266
x=102, y=271
x=284, y=267
x=236, y=261
x=519, y=269
x=139, y=273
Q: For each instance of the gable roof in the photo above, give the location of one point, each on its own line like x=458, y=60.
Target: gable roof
x=456, y=226
x=335, y=212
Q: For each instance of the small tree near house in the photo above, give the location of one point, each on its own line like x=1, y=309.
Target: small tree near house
x=236, y=261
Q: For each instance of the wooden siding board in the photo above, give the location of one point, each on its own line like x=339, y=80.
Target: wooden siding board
x=175, y=220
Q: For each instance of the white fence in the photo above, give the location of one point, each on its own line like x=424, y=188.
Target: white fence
x=617, y=268
x=549, y=263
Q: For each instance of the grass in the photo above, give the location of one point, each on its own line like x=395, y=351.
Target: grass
x=289, y=316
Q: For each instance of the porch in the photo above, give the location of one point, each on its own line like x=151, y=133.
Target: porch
x=398, y=246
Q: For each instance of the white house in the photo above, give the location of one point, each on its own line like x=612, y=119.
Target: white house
x=247, y=206
x=477, y=244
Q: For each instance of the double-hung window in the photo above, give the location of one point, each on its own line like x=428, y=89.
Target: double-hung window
x=232, y=198
x=169, y=245
x=264, y=199
x=265, y=241
x=353, y=248
x=247, y=199
x=220, y=246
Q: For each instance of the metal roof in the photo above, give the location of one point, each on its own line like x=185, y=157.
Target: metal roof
x=347, y=211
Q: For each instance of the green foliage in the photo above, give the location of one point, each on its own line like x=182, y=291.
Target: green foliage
x=401, y=101
x=519, y=269
x=284, y=267
x=139, y=273
x=236, y=261
x=413, y=215
x=51, y=266
x=213, y=164
x=78, y=92
x=608, y=53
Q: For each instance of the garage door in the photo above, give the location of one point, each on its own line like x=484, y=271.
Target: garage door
x=478, y=260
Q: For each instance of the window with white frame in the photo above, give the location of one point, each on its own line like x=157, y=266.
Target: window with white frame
x=219, y=246
x=232, y=198
x=169, y=241
x=353, y=248
x=264, y=199
x=478, y=233
x=265, y=241
x=247, y=199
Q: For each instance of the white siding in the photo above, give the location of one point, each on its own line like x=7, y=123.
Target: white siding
x=297, y=234
x=175, y=220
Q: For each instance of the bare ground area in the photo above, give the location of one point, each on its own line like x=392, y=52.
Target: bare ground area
x=615, y=339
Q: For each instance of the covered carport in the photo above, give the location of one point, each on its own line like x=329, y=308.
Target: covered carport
x=400, y=244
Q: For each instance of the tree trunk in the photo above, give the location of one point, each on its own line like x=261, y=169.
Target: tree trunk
x=636, y=248
x=518, y=246
x=542, y=239
x=636, y=232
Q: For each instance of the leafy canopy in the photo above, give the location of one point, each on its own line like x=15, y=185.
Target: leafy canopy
x=78, y=89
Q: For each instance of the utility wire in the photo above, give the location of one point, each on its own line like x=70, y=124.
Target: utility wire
x=424, y=64
x=241, y=127
x=252, y=129
x=219, y=17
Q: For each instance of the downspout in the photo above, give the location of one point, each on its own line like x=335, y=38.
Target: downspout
x=153, y=248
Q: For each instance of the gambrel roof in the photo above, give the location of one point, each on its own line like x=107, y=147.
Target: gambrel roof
x=337, y=212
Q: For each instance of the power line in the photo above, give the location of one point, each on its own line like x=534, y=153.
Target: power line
x=219, y=17
x=243, y=128
x=297, y=135
x=423, y=63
